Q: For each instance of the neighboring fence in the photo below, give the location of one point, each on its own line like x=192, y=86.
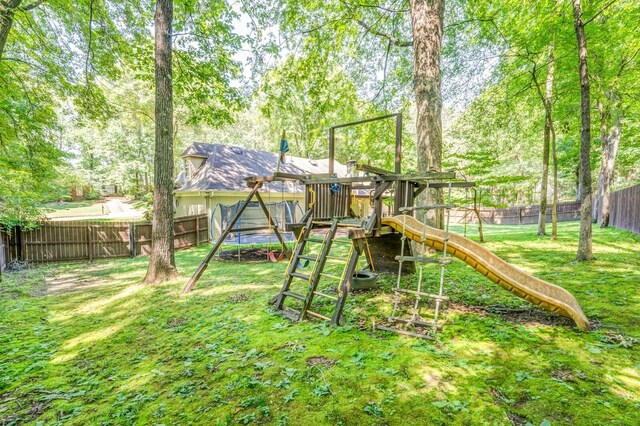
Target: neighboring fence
x=516, y=215
x=77, y=240
x=625, y=209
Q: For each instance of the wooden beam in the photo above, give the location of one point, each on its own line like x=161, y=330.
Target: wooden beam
x=372, y=169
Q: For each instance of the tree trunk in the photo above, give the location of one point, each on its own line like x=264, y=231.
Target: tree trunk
x=162, y=261
x=554, y=205
x=603, y=160
x=549, y=133
x=552, y=134
x=585, y=251
x=427, y=25
x=7, y=12
x=476, y=210
x=610, y=143
x=542, y=216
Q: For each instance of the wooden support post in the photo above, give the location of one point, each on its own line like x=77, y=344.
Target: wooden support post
x=20, y=246
x=197, y=230
x=89, y=243
x=132, y=239
x=345, y=285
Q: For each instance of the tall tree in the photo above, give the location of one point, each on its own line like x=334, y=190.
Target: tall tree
x=427, y=18
x=552, y=135
x=162, y=263
x=585, y=251
x=546, y=98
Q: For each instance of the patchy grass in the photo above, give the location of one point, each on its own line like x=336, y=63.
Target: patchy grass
x=86, y=343
x=76, y=209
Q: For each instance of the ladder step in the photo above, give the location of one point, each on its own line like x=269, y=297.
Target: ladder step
x=321, y=240
x=314, y=258
x=294, y=295
x=299, y=275
x=336, y=259
x=318, y=315
x=308, y=257
x=342, y=242
x=405, y=332
x=328, y=296
x=414, y=322
x=427, y=207
x=314, y=240
x=424, y=259
x=334, y=277
x=420, y=293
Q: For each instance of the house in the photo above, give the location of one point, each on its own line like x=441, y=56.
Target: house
x=213, y=182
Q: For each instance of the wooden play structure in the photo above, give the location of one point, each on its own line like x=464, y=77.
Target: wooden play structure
x=383, y=240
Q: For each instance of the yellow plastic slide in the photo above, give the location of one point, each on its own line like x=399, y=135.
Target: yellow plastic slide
x=533, y=290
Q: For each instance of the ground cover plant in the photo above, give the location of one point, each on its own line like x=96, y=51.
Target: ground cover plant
x=88, y=344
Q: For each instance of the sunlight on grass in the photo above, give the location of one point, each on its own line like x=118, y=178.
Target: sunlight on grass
x=90, y=337
x=98, y=306
x=231, y=289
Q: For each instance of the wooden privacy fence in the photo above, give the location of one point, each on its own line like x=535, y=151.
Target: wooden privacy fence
x=516, y=215
x=77, y=240
x=625, y=209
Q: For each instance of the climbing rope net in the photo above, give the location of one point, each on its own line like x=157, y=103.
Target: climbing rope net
x=420, y=259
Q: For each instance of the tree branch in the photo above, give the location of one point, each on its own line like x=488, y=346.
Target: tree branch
x=393, y=39
x=374, y=6
x=31, y=6
x=89, y=53
x=606, y=6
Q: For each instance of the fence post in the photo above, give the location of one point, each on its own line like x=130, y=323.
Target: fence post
x=89, y=243
x=132, y=239
x=20, y=246
x=520, y=215
x=197, y=230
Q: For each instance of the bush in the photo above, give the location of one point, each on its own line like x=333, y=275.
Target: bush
x=93, y=194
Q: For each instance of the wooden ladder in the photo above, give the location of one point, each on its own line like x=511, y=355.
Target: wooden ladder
x=317, y=274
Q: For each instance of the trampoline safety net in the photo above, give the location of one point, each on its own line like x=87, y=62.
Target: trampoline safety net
x=282, y=213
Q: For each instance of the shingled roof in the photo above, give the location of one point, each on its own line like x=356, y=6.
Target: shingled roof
x=226, y=168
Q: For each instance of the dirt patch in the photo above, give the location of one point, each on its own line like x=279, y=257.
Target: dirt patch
x=176, y=322
x=321, y=361
x=619, y=339
x=251, y=254
x=499, y=396
x=71, y=283
x=516, y=315
x=238, y=298
x=516, y=419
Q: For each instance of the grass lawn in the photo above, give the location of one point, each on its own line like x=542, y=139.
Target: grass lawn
x=77, y=208
x=87, y=344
